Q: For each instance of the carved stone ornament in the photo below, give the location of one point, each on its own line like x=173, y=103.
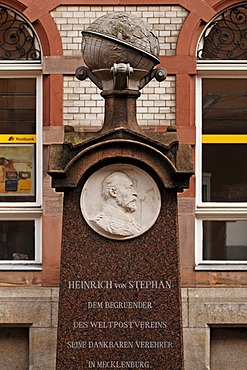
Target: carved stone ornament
x=120, y=201
x=120, y=52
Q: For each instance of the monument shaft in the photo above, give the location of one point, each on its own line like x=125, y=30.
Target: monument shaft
x=120, y=300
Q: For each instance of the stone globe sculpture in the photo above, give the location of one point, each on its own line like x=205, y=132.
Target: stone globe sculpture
x=120, y=52
x=120, y=38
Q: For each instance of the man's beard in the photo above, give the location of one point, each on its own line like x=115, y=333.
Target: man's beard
x=129, y=207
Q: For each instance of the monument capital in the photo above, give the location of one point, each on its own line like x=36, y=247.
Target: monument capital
x=159, y=153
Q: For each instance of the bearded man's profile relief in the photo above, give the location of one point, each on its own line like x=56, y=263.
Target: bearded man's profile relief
x=118, y=203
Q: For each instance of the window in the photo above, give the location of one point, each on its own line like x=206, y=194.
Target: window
x=20, y=143
x=221, y=200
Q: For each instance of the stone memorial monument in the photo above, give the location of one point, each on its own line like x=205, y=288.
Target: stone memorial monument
x=119, y=305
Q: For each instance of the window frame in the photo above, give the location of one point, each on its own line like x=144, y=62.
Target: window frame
x=27, y=210
x=214, y=211
x=25, y=264
x=26, y=73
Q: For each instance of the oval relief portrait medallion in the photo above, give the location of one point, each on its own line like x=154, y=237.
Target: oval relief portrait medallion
x=120, y=201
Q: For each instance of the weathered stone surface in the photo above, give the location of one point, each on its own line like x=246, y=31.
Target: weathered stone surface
x=53, y=134
x=199, y=341
x=54, y=314
x=21, y=279
x=19, y=312
x=15, y=294
x=217, y=295
x=217, y=313
x=66, y=168
x=217, y=306
x=54, y=307
x=34, y=310
x=43, y=344
x=52, y=227
x=184, y=295
x=61, y=64
x=186, y=239
x=186, y=206
x=208, y=312
x=118, y=37
x=50, y=276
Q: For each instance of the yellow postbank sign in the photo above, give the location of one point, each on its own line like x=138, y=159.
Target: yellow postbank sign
x=17, y=139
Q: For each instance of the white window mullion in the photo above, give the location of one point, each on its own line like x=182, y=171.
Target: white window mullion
x=198, y=141
x=38, y=241
x=198, y=242
x=39, y=141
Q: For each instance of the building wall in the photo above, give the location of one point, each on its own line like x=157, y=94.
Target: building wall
x=171, y=102
x=203, y=309
x=166, y=21
x=210, y=298
x=82, y=105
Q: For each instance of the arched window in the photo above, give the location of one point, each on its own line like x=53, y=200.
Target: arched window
x=18, y=41
x=20, y=143
x=225, y=38
x=221, y=205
